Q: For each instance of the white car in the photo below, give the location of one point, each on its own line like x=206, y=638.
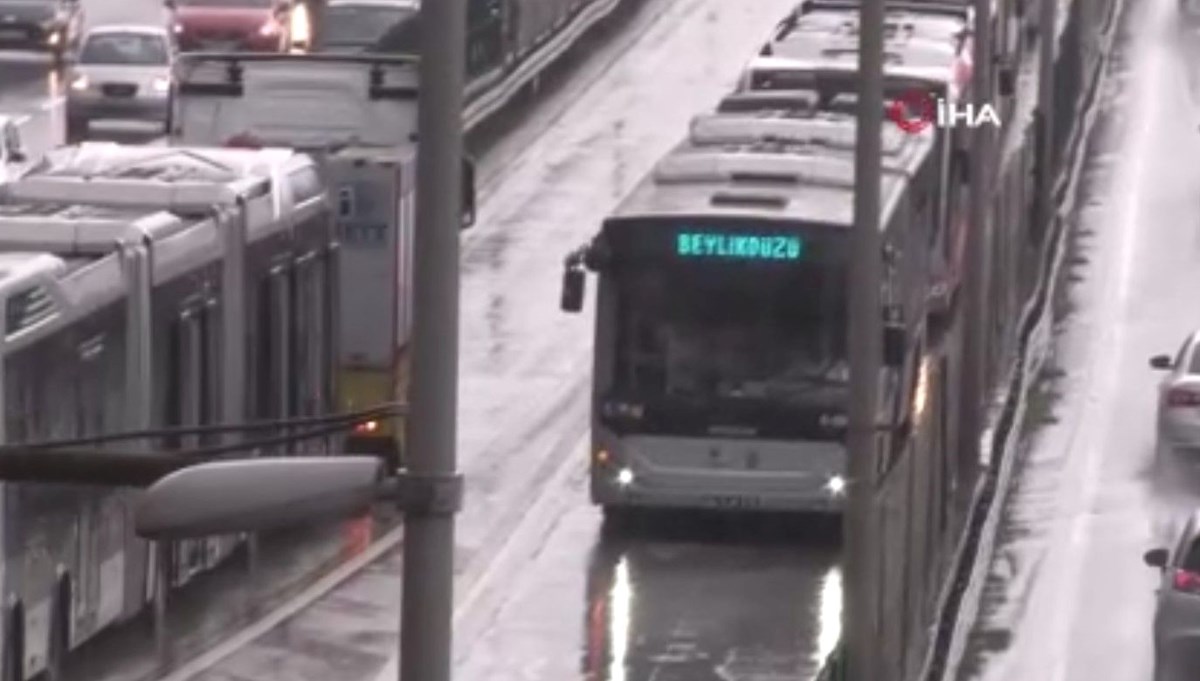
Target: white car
x=122, y=73
x=12, y=149
x=1179, y=403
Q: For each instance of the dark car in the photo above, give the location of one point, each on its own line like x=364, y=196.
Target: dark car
x=367, y=26
x=50, y=26
x=231, y=25
x=1177, y=615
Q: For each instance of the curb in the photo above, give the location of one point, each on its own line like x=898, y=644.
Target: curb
x=964, y=590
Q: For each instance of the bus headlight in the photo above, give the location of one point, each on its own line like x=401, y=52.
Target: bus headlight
x=624, y=477
x=836, y=486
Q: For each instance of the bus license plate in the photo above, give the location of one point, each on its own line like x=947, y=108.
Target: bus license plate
x=733, y=501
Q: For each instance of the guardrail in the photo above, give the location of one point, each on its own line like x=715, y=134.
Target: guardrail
x=1026, y=262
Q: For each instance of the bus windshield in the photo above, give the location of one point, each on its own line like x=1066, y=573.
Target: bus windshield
x=704, y=333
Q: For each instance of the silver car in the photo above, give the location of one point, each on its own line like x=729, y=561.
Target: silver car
x=1179, y=405
x=1177, y=615
x=120, y=73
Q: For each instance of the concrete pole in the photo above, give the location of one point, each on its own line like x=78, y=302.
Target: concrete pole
x=975, y=303
x=428, y=601
x=861, y=625
x=1047, y=35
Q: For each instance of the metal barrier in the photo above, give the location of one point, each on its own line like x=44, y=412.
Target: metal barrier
x=931, y=565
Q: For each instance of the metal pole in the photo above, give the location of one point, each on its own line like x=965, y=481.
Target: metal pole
x=865, y=352
x=975, y=302
x=1047, y=37
x=428, y=602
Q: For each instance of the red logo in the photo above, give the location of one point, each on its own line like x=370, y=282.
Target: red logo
x=913, y=111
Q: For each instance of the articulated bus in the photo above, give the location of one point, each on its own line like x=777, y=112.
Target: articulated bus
x=833, y=88
x=172, y=287
x=720, y=370
x=768, y=124
x=929, y=49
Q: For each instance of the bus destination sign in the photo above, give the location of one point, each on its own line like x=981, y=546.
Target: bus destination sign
x=738, y=246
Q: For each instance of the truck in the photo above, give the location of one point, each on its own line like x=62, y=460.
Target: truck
x=357, y=116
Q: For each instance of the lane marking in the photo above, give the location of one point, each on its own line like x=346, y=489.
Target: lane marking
x=289, y=609
x=543, y=515
x=1106, y=357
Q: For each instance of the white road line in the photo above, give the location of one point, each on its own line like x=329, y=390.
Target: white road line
x=1107, y=354
x=542, y=515
x=326, y=584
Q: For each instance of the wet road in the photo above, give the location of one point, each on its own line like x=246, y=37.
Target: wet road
x=527, y=535
x=1069, y=598
x=538, y=597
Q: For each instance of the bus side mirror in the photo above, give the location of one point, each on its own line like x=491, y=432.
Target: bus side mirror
x=895, y=345
x=1161, y=362
x=468, y=192
x=572, y=289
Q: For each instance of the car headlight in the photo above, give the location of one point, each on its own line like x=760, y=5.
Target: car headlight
x=178, y=28
x=268, y=29
x=80, y=82
x=162, y=85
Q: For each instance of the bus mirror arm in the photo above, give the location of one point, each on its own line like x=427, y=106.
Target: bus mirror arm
x=573, y=285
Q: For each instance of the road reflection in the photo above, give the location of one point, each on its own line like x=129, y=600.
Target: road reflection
x=713, y=599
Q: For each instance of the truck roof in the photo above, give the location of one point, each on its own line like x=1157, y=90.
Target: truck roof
x=783, y=184
x=68, y=229
x=304, y=101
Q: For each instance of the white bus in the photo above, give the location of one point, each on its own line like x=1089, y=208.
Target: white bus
x=929, y=48
x=720, y=372
x=175, y=287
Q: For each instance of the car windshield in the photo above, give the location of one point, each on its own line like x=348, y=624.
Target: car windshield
x=361, y=24
x=1191, y=7
x=704, y=333
x=133, y=49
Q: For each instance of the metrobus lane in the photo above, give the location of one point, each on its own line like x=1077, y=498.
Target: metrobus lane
x=1069, y=597
x=525, y=366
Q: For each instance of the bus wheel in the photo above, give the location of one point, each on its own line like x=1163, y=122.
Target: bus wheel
x=14, y=641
